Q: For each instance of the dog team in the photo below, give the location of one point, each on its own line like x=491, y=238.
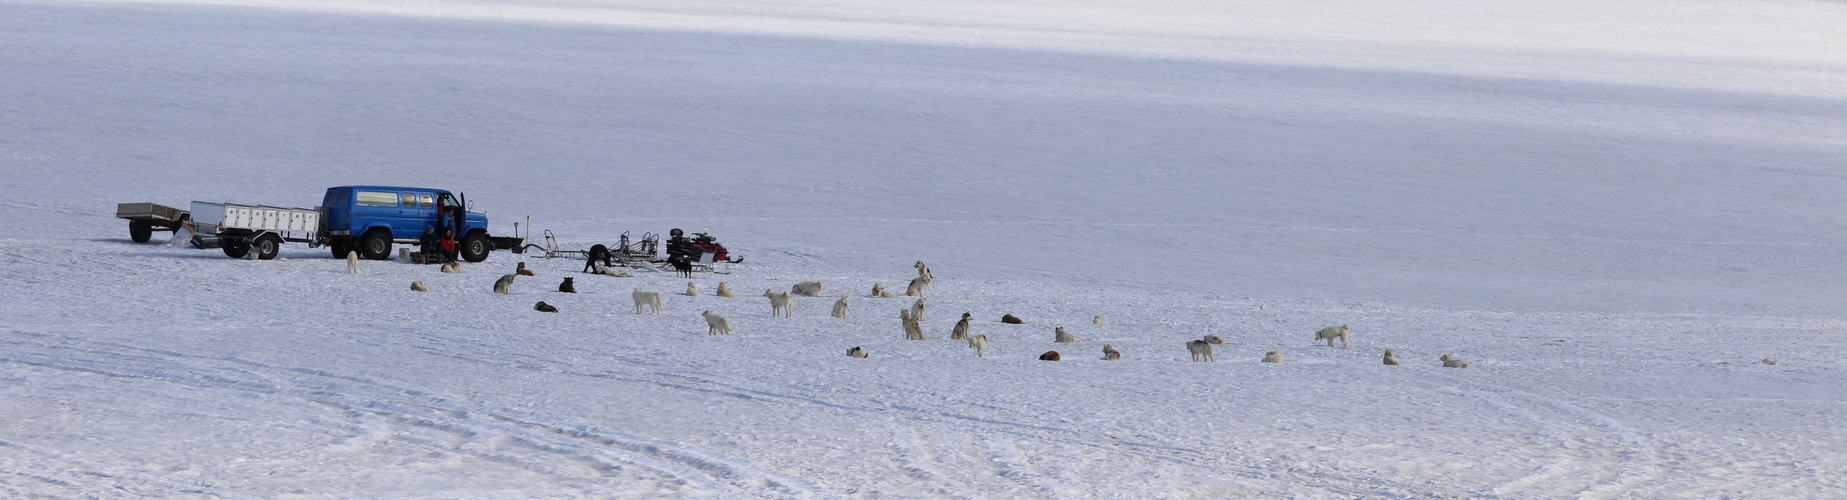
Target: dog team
x=782, y=304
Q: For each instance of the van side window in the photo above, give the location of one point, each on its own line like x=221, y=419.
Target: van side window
x=410, y=200
x=426, y=201
x=377, y=199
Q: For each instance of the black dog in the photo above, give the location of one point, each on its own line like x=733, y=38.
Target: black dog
x=566, y=286
x=598, y=253
x=682, y=266
x=544, y=307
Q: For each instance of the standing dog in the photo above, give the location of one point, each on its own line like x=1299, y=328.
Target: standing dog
x=917, y=310
x=504, y=284
x=682, y=266
x=692, y=289
x=1059, y=336
x=1110, y=354
x=649, y=299
x=878, y=291
x=566, y=286
x=1332, y=332
x=352, y=262
x=543, y=307
x=912, y=330
x=980, y=343
x=780, y=303
x=718, y=325
x=522, y=271
x=1202, y=350
x=961, y=331
x=840, y=307
x=724, y=292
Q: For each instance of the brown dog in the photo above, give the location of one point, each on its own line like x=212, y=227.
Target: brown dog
x=522, y=270
x=1009, y=319
x=1049, y=356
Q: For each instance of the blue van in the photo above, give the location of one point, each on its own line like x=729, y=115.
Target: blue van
x=368, y=219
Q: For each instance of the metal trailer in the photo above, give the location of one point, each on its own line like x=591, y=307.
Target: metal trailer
x=242, y=229
x=143, y=218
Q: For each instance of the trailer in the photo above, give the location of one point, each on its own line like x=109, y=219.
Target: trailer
x=241, y=229
x=143, y=218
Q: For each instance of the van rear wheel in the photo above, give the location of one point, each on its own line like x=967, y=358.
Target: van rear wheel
x=234, y=247
x=376, y=245
x=475, y=247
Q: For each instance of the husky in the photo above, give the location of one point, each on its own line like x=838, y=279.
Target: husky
x=1059, y=336
x=1110, y=353
x=840, y=307
x=352, y=262
x=980, y=343
x=718, y=324
x=1331, y=333
x=724, y=292
x=1389, y=360
x=1202, y=350
x=504, y=284
x=1273, y=357
x=780, y=303
x=419, y=286
x=650, y=300
x=809, y=288
x=879, y=291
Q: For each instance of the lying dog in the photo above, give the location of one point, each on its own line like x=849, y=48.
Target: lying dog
x=419, y=286
x=718, y=324
x=809, y=288
x=1011, y=320
x=611, y=271
x=1110, y=354
x=1332, y=332
x=724, y=292
x=1389, y=360
x=1451, y=362
x=1098, y=320
x=1273, y=357
x=878, y=291
x=567, y=286
x=1214, y=339
x=649, y=299
x=543, y=307
x=522, y=271
x=1059, y=336
x=452, y=267
x=504, y=284
x=1049, y=356
x=858, y=353
x=840, y=307
x=980, y=343
x=1202, y=350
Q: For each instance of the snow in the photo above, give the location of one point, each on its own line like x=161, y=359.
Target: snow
x=1623, y=215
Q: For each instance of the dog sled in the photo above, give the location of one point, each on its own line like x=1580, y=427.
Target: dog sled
x=700, y=254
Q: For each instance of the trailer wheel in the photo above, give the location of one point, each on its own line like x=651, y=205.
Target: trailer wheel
x=267, y=246
x=340, y=249
x=234, y=247
x=376, y=245
x=140, y=231
x=475, y=247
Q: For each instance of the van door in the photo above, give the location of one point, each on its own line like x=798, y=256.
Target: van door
x=336, y=203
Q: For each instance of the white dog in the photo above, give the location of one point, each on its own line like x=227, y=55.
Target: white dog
x=1214, y=339
x=611, y=271
x=1450, y=362
x=780, y=303
x=917, y=310
x=1331, y=333
x=980, y=343
x=650, y=300
x=840, y=307
x=879, y=291
x=724, y=292
x=923, y=271
x=504, y=284
x=1110, y=354
x=858, y=353
x=1202, y=350
x=1059, y=336
x=718, y=325
x=912, y=330
x=419, y=286
x=809, y=288
x=1389, y=360
x=916, y=288
x=1098, y=320
x=1273, y=357
x=452, y=267
x=692, y=289
x=352, y=262
x=961, y=331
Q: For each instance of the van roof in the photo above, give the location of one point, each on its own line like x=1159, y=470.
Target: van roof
x=391, y=188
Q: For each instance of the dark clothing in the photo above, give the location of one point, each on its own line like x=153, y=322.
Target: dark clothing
x=678, y=247
x=428, y=244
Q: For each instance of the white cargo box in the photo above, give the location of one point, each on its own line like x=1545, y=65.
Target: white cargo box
x=213, y=218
